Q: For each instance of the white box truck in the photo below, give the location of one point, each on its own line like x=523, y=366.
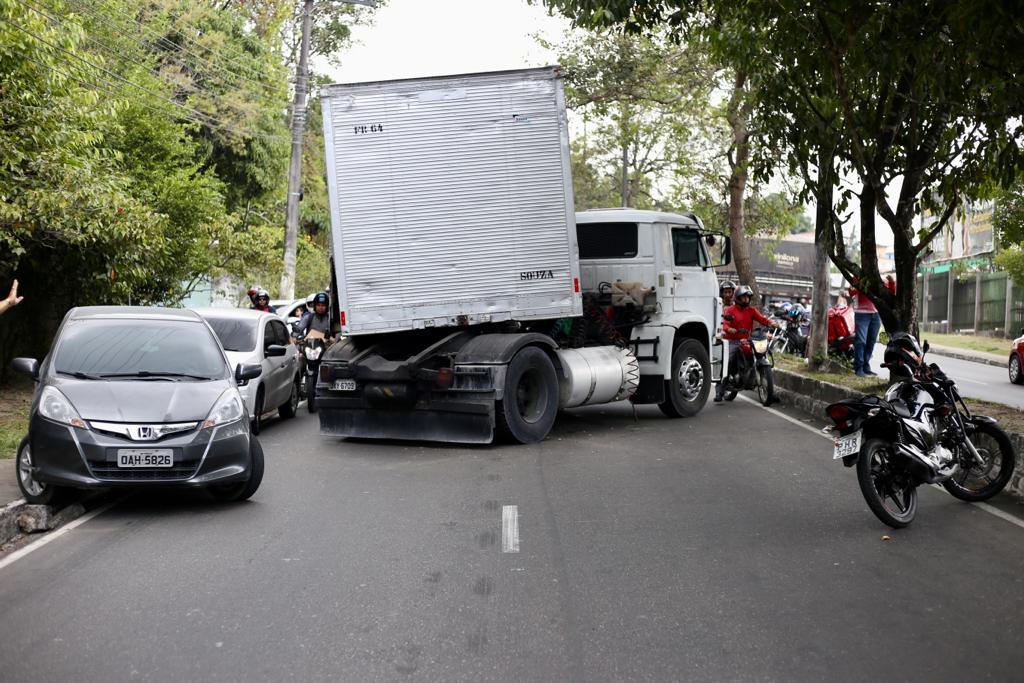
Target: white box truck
x=457, y=278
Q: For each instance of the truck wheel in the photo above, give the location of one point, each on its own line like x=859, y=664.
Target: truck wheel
x=687, y=390
x=531, y=398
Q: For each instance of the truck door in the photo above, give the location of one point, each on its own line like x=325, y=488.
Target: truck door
x=695, y=285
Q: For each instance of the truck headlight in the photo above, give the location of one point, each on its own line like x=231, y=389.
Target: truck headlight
x=55, y=406
x=228, y=408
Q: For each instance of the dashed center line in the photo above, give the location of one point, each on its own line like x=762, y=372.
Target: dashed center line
x=510, y=529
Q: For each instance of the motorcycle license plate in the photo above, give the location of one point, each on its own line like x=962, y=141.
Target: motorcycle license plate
x=344, y=385
x=848, y=445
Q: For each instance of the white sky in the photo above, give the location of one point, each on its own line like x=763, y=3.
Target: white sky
x=411, y=38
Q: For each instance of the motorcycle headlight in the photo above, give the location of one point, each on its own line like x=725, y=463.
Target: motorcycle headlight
x=760, y=345
x=227, y=409
x=55, y=406
x=313, y=352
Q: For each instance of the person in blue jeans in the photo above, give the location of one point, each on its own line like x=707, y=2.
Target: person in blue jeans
x=867, y=323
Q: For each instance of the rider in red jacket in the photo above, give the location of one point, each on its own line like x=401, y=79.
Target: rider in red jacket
x=743, y=318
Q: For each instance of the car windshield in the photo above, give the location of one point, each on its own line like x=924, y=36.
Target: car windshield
x=101, y=348
x=235, y=334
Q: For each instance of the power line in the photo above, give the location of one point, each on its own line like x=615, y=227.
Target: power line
x=209, y=120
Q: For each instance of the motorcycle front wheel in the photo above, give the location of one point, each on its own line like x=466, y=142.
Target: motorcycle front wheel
x=765, y=386
x=889, y=490
x=977, y=482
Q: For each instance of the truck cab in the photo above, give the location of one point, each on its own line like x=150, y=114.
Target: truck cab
x=653, y=272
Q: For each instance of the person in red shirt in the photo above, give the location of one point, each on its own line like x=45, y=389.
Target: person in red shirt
x=738, y=328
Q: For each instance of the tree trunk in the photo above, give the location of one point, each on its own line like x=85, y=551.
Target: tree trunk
x=624, y=191
x=737, y=115
x=817, y=345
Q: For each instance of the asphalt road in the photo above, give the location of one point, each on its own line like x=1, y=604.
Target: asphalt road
x=976, y=380
x=727, y=547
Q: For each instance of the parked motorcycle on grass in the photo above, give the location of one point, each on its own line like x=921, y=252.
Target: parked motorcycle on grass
x=792, y=336
x=754, y=367
x=921, y=432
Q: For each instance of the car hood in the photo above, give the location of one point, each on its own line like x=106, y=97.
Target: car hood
x=142, y=401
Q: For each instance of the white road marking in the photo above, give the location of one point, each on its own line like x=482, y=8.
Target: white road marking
x=972, y=381
x=1016, y=521
x=510, y=529
x=787, y=418
x=54, y=535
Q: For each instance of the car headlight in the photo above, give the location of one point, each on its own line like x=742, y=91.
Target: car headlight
x=55, y=406
x=760, y=345
x=227, y=409
x=313, y=352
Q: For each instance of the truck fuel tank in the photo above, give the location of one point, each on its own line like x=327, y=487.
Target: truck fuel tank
x=596, y=374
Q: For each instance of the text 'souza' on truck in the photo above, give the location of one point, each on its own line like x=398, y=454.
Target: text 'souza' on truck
x=473, y=301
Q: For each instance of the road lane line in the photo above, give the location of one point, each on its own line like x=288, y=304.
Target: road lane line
x=510, y=529
x=54, y=535
x=787, y=418
x=1006, y=516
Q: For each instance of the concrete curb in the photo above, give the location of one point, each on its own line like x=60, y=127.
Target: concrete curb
x=19, y=517
x=986, y=359
x=813, y=396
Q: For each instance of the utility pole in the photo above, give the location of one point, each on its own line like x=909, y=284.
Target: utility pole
x=291, y=221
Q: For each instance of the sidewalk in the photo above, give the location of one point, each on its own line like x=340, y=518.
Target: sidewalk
x=9, y=491
x=972, y=356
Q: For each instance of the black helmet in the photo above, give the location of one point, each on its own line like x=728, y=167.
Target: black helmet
x=742, y=291
x=726, y=284
x=903, y=354
x=321, y=298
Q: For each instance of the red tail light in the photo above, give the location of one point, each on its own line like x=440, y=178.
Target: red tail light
x=445, y=378
x=576, y=285
x=838, y=413
x=343, y=317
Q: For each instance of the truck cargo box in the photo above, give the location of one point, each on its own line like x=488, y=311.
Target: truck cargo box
x=451, y=201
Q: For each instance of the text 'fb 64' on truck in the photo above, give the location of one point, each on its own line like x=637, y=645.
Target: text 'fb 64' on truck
x=473, y=301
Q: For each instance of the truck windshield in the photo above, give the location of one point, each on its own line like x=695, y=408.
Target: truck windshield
x=607, y=240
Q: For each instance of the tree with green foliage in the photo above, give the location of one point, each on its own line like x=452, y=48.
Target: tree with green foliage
x=919, y=103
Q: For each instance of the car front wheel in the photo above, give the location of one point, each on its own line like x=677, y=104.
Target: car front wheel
x=1016, y=376
x=35, y=492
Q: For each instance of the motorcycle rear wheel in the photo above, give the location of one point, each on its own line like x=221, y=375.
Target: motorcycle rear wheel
x=995, y=447
x=890, y=493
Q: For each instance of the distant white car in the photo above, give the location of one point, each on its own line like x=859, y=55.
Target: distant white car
x=291, y=311
x=257, y=337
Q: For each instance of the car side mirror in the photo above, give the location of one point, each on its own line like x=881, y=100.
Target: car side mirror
x=245, y=372
x=275, y=350
x=26, y=366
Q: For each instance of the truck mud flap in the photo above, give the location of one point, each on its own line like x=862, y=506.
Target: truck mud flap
x=475, y=426
x=650, y=390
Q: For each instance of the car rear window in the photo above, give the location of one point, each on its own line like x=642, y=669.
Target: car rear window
x=235, y=334
x=104, y=346
x=607, y=240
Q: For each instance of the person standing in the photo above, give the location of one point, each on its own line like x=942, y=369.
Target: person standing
x=867, y=323
x=12, y=299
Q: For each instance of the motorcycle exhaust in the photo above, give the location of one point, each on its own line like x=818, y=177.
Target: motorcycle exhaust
x=920, y=468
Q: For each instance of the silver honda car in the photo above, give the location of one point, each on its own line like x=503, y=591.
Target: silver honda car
x=138, y=397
